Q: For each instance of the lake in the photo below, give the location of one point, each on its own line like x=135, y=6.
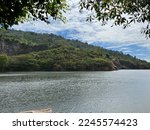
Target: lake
x=71, y=92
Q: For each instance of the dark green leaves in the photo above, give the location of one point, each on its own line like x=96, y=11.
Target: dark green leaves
x=122, y=12
x=15, y=11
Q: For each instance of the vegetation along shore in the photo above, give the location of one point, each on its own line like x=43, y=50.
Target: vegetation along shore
x=28, y=51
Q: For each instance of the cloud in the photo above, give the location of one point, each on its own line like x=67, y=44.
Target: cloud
x=77, y=27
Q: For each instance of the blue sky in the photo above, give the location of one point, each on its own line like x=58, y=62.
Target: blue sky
x=129, y=40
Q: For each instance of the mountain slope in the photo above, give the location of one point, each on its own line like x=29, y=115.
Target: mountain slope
x=28, y=51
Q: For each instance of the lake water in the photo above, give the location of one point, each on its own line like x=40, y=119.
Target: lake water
x=113, y=91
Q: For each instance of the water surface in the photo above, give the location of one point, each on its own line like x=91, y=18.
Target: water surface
x=114, y=91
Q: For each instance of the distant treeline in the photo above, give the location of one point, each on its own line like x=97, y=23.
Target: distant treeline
x=58, y=54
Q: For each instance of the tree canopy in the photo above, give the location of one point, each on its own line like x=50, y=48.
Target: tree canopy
x=15, y=11
x=121, y=12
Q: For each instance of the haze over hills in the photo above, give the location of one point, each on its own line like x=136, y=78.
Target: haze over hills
x=28, y=51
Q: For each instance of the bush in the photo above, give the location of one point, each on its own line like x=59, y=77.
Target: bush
x=23, y=63
x=3, y=62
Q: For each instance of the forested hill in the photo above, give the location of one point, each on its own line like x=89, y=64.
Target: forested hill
x=28, y=51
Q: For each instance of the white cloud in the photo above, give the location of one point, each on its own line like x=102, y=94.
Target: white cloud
x=91, y=31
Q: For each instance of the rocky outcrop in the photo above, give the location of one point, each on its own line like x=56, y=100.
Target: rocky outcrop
x=117, y=64
x=14, y=48
x=124, y=64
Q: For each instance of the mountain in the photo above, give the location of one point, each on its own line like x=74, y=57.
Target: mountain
x=28, y=51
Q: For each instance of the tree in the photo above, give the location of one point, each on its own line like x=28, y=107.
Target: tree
x=3, y=61
x=15, y=11
x=122, y=12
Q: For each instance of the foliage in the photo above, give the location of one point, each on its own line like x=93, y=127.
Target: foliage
x=65, y=55
x=59, y=59
x=15, y=11
x=66, y=58
x=34, y=39
x=3, y=62
x=122, y=12
x=22, y=63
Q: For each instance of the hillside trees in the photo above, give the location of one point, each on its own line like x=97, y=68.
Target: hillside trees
x=3, y=61
x=61, y=54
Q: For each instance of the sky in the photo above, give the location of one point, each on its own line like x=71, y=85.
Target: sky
x=129, y=40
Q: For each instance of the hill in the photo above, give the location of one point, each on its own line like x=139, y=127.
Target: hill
x=28, y=51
